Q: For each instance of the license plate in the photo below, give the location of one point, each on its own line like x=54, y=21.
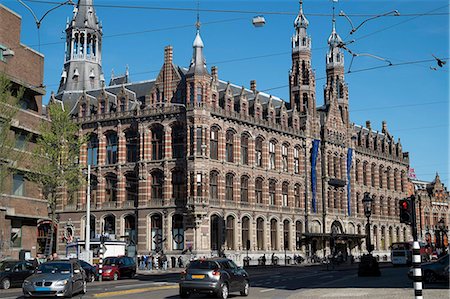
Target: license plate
x=198, y=276
x=40, y=289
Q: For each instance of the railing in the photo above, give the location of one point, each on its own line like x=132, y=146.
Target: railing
x=177, y=202
x=155, y=202
x=214, y=202
x=128, y=204
x=286, y=209
x=110, y=204
x=245, y=204
x=70, y=207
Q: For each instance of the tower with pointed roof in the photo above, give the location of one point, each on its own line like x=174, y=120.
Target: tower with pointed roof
x=83, y=60
x=301, y=75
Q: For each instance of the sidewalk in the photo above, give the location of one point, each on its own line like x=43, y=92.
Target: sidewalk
x=160, y=271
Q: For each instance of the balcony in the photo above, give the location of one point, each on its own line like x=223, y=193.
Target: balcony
x=155, y=202
x=245, y=204
x=129, y=204
x=214, y=202
x=177, y=202
x=70, y=207
x=110, y=205
x=260, y=206
x=286, y=209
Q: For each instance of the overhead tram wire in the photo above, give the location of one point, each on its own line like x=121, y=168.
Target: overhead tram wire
x=140, y=7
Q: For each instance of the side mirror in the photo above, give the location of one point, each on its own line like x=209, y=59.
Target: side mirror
x=76, y=271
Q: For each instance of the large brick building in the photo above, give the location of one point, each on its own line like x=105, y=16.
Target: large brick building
x=21, y=208
x=189, y=161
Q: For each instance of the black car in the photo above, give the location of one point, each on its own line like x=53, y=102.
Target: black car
x=91, y=271
x=434, y=271
x=13, y=272
x=218, y=276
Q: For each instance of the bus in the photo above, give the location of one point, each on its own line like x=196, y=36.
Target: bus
x=401, y=252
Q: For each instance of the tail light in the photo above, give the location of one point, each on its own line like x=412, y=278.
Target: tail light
x=216, y=273
x=183, y=274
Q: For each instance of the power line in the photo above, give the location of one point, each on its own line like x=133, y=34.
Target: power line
x=254, y=12
x=399, y=106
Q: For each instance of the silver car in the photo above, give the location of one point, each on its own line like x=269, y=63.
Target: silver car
x=56, y=278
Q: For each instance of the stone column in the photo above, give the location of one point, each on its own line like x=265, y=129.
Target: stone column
x=167, y=142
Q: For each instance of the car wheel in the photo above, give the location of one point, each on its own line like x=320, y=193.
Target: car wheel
x=223, y=292
x=430, y=277
x=6, y=283
x=92, y=277
x=84, y=288
x=69, y=292
x=184, y=293
x=116, y=276
x=245, y=289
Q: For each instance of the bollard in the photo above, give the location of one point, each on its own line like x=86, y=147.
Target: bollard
x=100, y=264
x=417, y=271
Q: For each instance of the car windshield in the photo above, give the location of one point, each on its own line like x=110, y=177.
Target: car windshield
x=6, y=266
x=205, y=265
x=110, y=262
x=63, y=268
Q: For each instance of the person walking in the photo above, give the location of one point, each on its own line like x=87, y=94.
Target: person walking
x=150, y=261
x=164, y=261
x=180, y=262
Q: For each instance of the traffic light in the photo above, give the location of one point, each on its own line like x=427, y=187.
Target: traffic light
x=405, y=210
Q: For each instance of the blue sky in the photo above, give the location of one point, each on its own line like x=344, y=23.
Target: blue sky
x=412, y=98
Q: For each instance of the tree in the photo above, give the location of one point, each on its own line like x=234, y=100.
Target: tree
x=9, y=105
x=57, y=170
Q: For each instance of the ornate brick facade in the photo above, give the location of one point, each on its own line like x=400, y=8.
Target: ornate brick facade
x=207, y=165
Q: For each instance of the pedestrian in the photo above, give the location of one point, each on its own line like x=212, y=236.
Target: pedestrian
x=180, y=262
x=273, y=258
x=263, y=259
x=164, y=261
x=150, y=261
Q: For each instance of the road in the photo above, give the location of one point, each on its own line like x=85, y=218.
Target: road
x=273, y=282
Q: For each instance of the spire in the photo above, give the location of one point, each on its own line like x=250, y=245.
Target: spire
x=300, y=39
x=335, y=56
x=301, y=21
x=84, y=16
x=198, y=62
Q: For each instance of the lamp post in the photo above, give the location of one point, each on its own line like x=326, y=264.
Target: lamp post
x=442, y=230
x=368, y=265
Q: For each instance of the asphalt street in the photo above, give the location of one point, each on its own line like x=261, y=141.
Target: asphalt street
x=273, y=282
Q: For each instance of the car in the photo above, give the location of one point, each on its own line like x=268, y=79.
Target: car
x=91, y=271
x=14, y=272
x=435, y=270
x=214, y=276
x=115, y=268
x=56, y=278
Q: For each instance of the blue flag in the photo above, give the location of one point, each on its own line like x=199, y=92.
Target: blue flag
x=315, y=151
x=349, y=167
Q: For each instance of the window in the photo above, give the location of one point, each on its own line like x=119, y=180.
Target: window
x=199, y=142
x=177, y=232
x=284, y=192
x=258, y=152
x=230, y=232
x=364, y=173
x=372, y=175
x=272, y=192
x=244, y=149
x=357, y=178
x=18, y=185
x=271, y=155
x=21, y=139
x=298, y=235
x=286, y=232
x=244, y=189
x=395, y=179
x=273, y=234
x=296, y=161
x=380, y=174
x=245, y=232
x=157, y=143
x=199, y=95
x=92, y=150
x=122, y=104
x=260, y=233
x=199, y=185
x=214, y=144
x=111, y=148
x=213, y=185
x=16, y=233
x=258, y=190
x=229, y=147
x=83, y=110
x=191, y=93
x=132, y=145
x=102, y=107
x=178, y=184
x=229, y=187
x=284, y=157
x=177, y=142
x=388, y=178
x=131, y=188
x=111, y=188
x=157, y=185
x=297, y=196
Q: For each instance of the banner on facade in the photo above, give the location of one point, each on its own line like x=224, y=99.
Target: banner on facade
x=315, y=151
x=349, y=167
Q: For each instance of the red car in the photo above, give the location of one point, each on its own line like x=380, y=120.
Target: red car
x=115, y=268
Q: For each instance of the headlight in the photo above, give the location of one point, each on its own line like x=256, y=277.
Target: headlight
x=26, y=282
x=107, y=271
x=62, y=282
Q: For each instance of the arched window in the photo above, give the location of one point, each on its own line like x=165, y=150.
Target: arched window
x=272, y=192
x=178, y=184
x=178, y=142
x=102, y=107
x=244, y=149
x=284, y=192
x=357, y=176
x=123, y=104
x=305, y=101
x=271, y=155
x=298, y=235
x=177, y=232
x=229, y=153
x=258, y=151
x=388, y=178
x=364, y=173
x=157, y=185
x=395, y=179
x=156, y=232
x=380, y=175
x=305, y=72
x=286, y=235
x=230, y=233
x=383, y=238
x=111, y=188
x=215, y=235
x=131, y=188
x=298, y=203
x=132, y=145
x=213, y=185
x=92, y=150
x=372, y=175
x=258, y=190
x=229, y=187
x=130, y=228
x=244, y=188
x=214, y=143
x=245, y=232
x=284, y=157
x=402, y=185
x=109, y=226
x=296, y=161
x=273, y=234
x=157, y=143
x=381, y=206
x=83, y=110
x=111, y=148
x=260, y=233
x=199, y=94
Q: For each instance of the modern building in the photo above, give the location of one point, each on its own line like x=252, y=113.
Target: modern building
x=188, y=162
x=23, y=213
x=432, y=201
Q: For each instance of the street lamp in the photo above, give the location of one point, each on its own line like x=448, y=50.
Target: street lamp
x=442, y=230
x=368, y=265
